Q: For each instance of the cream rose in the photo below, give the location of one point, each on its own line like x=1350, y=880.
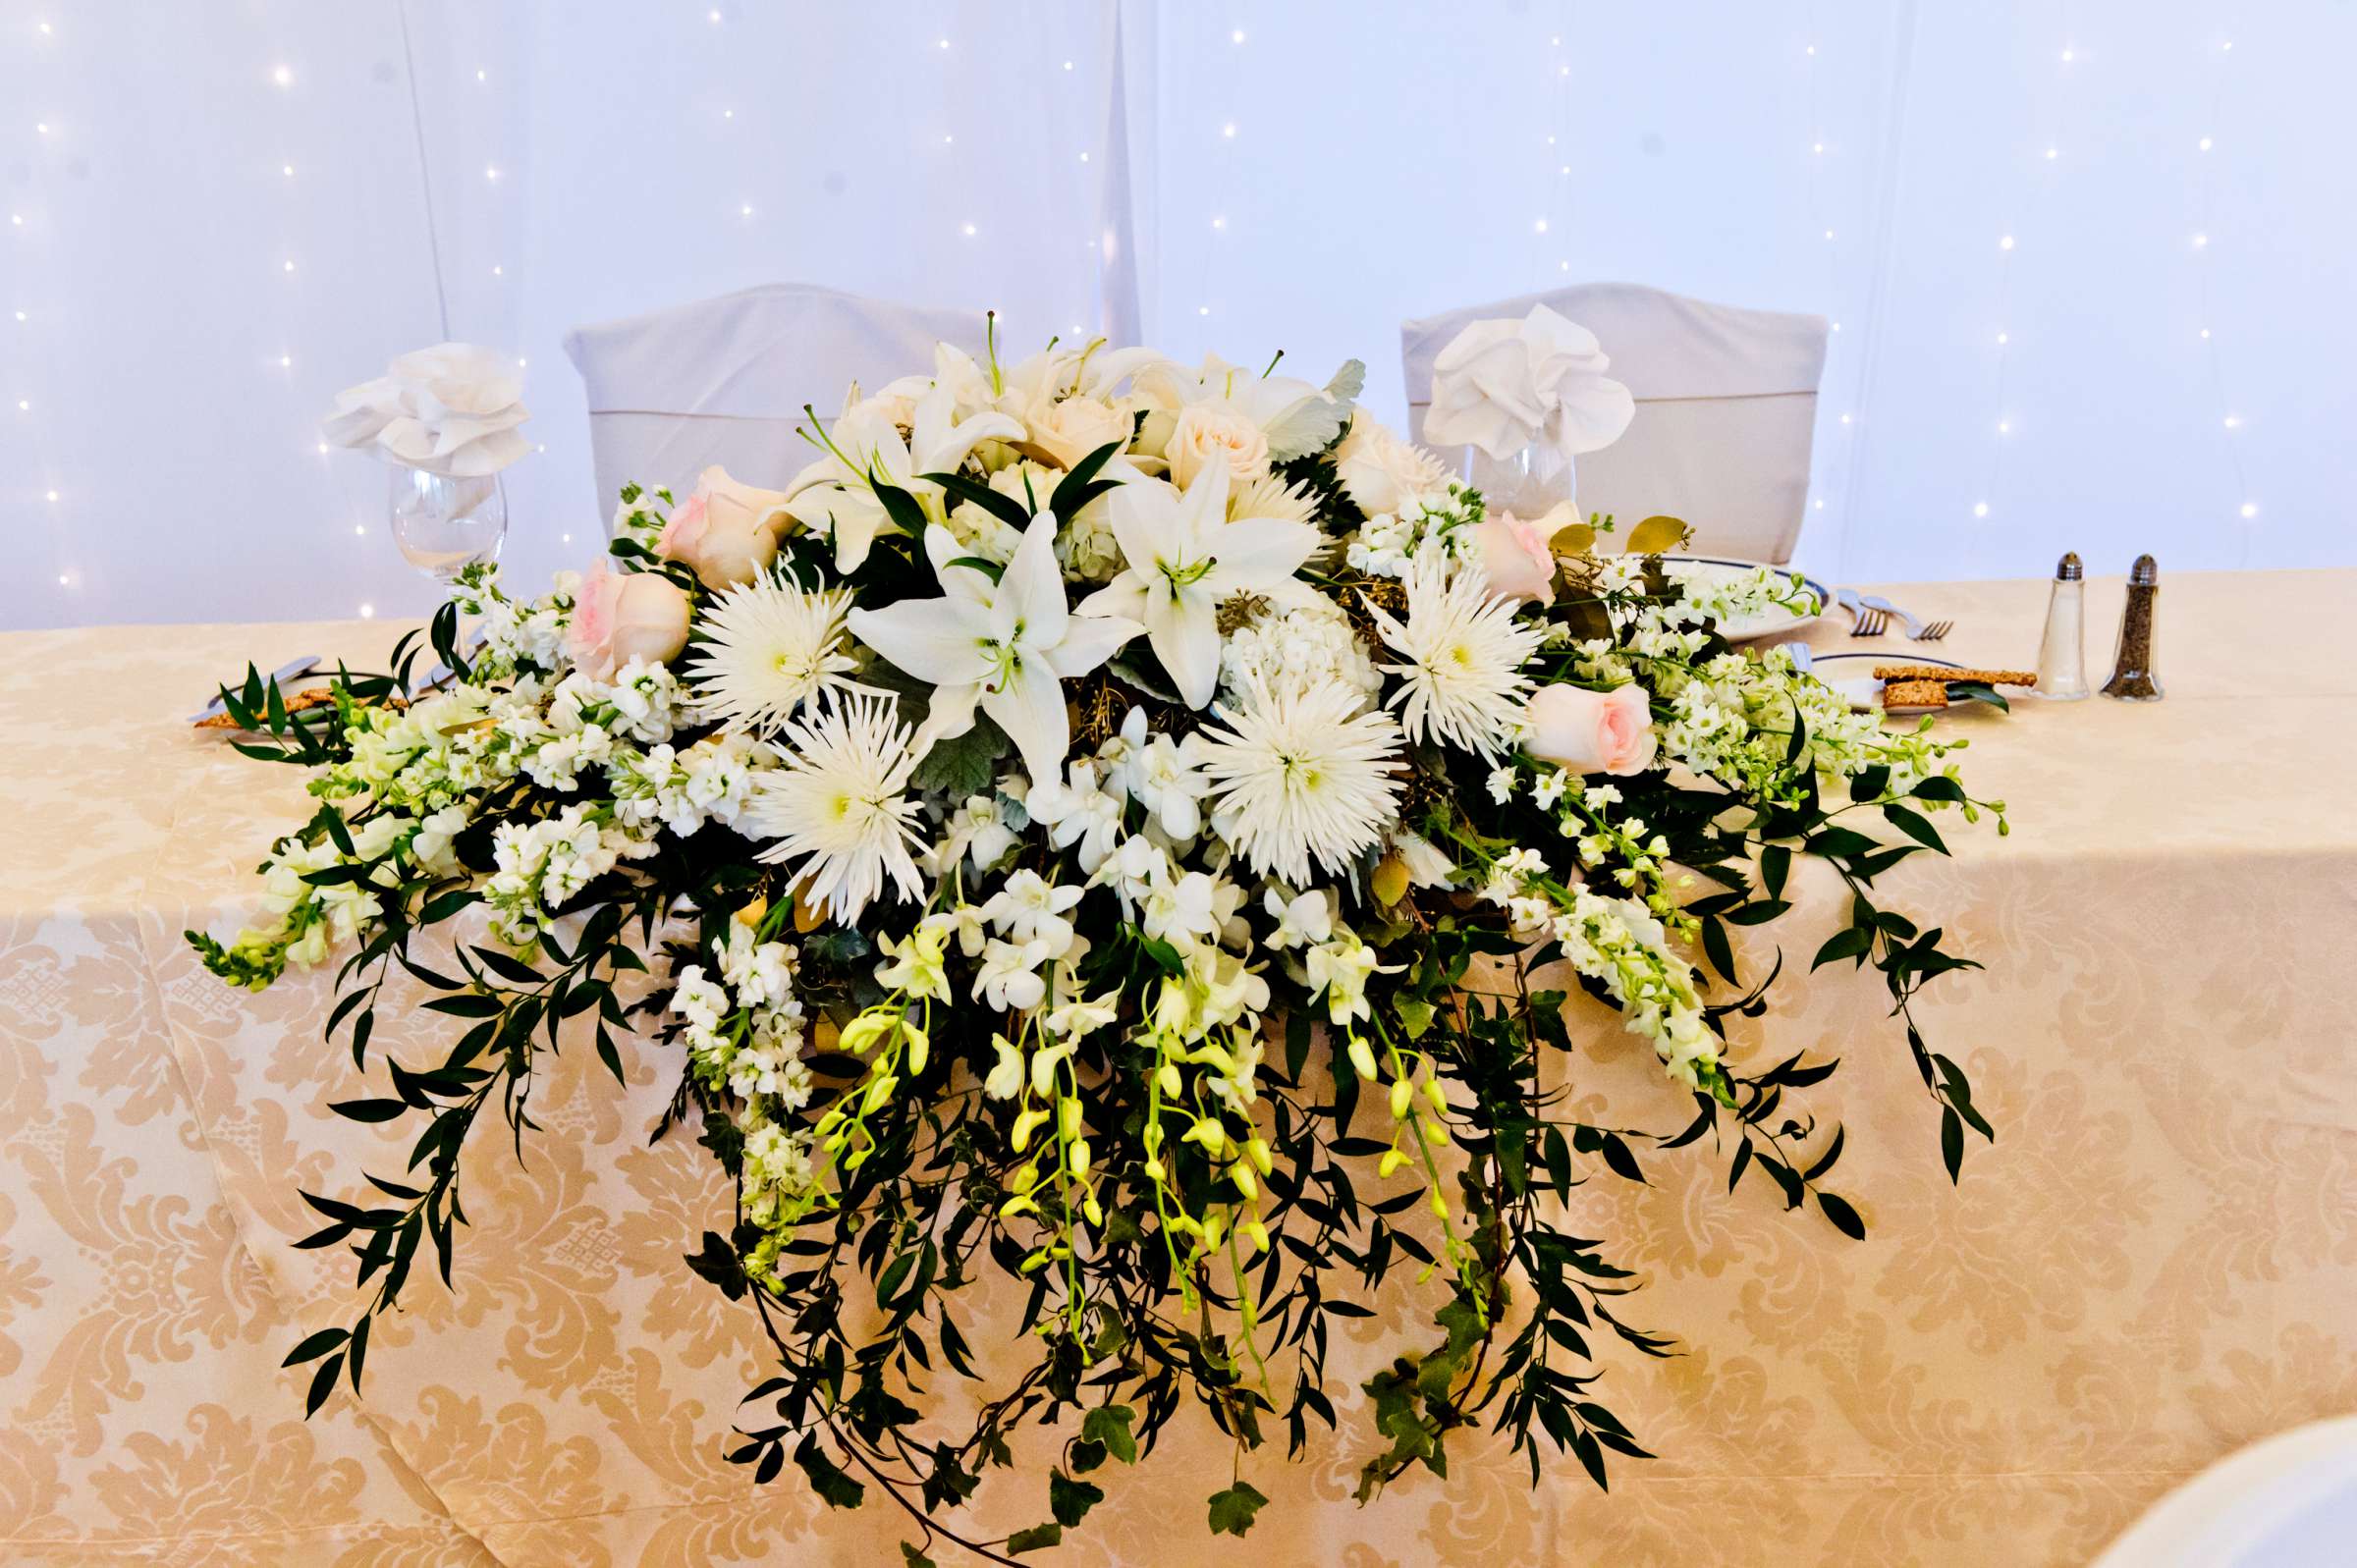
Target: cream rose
x=1379, y=471
x=1516, y=558
x=1591, y=732
x=1215, y=431
x=1072, y=429
x=618, y=618
x=727, y=531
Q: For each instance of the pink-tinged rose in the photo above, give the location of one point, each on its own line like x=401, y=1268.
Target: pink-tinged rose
x=1072, y=429
x=1215, y=431
x=727, y=531
x=1378, y=470
x=618, y=617
x=1591, y=732
x=1516, y=558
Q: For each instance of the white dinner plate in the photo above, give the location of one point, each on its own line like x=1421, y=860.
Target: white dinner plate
x=1852, y=675
x=1775, y=622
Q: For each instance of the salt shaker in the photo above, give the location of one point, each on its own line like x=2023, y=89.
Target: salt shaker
x=2133, y=678
x=2063, y=655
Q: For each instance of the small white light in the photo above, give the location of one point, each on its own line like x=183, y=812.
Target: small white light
x=1227, y=129
x=45, y=27
x=1067, y=64
x=40, y=128
x=21, y=316
x=2003, y=337
x=2250, y=509
x=358, y=530
x=1219, y=222
x=367, y=612
x=947, y=139
x=2004, y=243
x=287, y=169
x=2200, y=240
x=2004, y=427
x=1562, y=71
x=713, y=15
x=1563, y=266
x=520, y=362
x=1828, y=234
x=745, y=210
x=1564, y=169
x=1538, y=226
x=480, y=74
x=17, y=219
x=2205, y=330
x=52, y=495
x=1816, y=146
x=2052, y=153
x=1980, y=509
x=2204, y=144
x=1812, y=51
x=2066, y=57
x=490, y=172
x=727, y=114
x=2234, y=420
x=1836, y=326
x=1820, y=503
x=24, y=406
x=324, y=448
x=1084, y=157
x=287, y=266
x=1551, y=141
x=1846, y=418
x=968, y=231
x=282, y=76
x=286, y=361
x=1238, y=36
x=2226, y=48
x=64, y=581
x=1202, y=310
x=565, y=538
x=943, y=43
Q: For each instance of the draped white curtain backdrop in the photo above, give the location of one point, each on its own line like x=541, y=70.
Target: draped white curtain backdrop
x=218, y=215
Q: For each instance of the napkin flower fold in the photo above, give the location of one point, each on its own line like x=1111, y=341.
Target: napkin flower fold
x=451, y=409
x=1504, y=385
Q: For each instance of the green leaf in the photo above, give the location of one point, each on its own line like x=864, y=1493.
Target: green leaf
x=1034, y=1539
x=1951, y=1141
x=1070, y=1500
x=368, y=1109
x=314, y=1346
x=827, y=1478
x=983, y=563
x=1911, y=823
x=965, y=765
x=1776, y=861
x=1074, y=486
x=1656, y=535
x=911, y=1558
x=1851, y=942
x=1006, y=509
x=1109, y=1426
x=1232, y=1510
x=1846, y=1219
x=1976, y=691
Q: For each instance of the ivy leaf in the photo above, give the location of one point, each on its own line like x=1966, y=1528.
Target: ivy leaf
x=1109, y=1426
x=1070, y=1500
x=827, y=1478
x=1034, y=1539
x=1232, y=1510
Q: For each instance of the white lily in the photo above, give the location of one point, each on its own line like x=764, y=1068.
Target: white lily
x=1006, y=646
x=1183, y=557
x=865, y=448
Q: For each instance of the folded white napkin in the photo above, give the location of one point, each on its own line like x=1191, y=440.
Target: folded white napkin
x=1504, y=385
x=451, y=409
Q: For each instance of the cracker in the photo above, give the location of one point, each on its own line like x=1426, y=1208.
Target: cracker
x=1986, y=678
x=1915, y=694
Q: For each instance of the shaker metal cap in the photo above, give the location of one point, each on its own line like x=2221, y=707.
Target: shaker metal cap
x=2145, y=573
x=2068, y=570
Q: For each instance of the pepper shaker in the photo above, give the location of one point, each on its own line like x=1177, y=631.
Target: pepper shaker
x=2133, y=677
x=2063, y=655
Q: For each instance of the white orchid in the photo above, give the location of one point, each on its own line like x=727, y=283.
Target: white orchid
x=866, y=449
x=1183, y=557
x=1006, y=646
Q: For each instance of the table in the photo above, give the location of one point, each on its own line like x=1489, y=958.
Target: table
x=2155, y=1263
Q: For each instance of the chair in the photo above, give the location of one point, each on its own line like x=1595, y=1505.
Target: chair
x=725, y=380
x=2289, y=1501
x=1727, y=404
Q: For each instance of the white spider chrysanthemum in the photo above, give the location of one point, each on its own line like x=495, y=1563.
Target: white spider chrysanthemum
x=1299, y=776
x=771, y=648
x=838, y=803
x=1268, y=495
x=1463, y=680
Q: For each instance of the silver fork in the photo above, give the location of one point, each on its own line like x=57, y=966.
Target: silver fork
x=1917, y=630
x=1866, y=621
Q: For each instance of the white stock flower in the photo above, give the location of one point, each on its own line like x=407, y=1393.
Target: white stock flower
x=838, y=803
x=769, y=649
x=1183, y=557
x=1301, y=777
x=1006, y=646
x=1463, y=682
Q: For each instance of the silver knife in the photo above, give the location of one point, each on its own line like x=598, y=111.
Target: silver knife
x=292, y=669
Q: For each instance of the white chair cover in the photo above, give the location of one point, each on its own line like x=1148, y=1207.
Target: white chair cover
x=2289, y=1501
x=725, y=380
x=1727, y=404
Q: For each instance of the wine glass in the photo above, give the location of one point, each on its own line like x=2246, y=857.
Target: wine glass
x=443, y=525
x=1527, y=483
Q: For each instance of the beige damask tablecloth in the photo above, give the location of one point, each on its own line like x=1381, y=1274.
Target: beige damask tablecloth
x=2156, y=1264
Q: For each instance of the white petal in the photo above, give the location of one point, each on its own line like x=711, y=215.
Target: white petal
x=1124, y=598
x=1185, y=636
x=1034, y=585
x=1203, y=512
x=1141, y=515
x=1031, y=712
x=1090, y=641
x=950, y=715
x=1262, y=550
x=933, y=640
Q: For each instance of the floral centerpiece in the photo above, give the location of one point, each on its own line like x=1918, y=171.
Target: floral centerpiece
x=1119, y=833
